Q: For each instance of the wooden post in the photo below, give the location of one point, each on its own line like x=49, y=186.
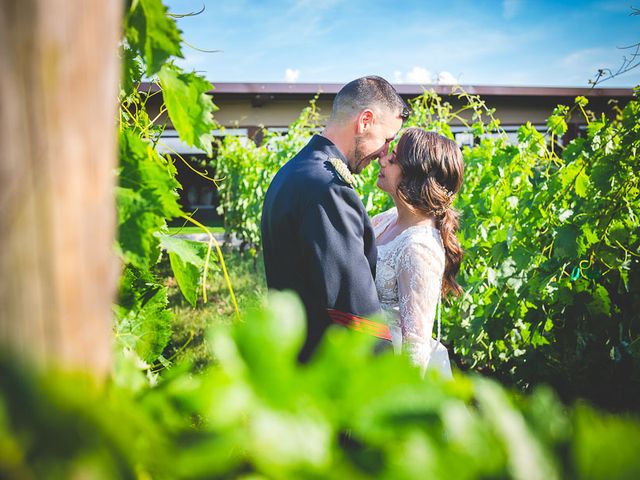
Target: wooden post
x=58, y=104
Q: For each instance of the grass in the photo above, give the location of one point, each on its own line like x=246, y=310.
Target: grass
x=215, y=225
x=188, y=342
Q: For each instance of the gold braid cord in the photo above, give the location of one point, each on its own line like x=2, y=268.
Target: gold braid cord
x=342, y=170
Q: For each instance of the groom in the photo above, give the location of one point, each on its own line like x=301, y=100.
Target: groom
x=317, y=237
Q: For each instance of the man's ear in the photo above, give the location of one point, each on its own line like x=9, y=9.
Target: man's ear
x=365, y=120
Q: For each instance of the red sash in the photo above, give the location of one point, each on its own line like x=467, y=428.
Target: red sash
x=360, y=324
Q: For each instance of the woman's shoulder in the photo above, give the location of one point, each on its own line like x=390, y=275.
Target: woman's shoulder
x=423, y=244
x=384, y=217
x=387, y=214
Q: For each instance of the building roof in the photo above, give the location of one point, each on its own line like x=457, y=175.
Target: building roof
x=409, y=89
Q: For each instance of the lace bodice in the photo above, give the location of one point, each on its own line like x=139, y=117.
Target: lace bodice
x=408, y=280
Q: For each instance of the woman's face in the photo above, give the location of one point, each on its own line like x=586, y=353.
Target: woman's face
x=390, y=173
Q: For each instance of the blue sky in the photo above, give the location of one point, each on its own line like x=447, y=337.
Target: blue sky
x=473, y=42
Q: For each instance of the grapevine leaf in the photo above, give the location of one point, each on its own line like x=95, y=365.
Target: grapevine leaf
x=188, y=250
x=582, y=184
x=144, y=323
x=153, y=326
x=152, y=33
x=569, y=173
x=556, y=122
x=566, y=241
x=190, y=107
x=534, y=140
x=187, y=260
x=588, y=237
x=581, y=101
x=601, y=303
x=188, y=277
x=147, y=195
x=574, y=150
x=151, y=175
x=619, y=233
x=136, y=243
x=132, y=70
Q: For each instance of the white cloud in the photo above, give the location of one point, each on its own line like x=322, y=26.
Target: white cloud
x=419, y=75
x=510, y=8
x=422, y=76
x=291, y=75
x=446, y=78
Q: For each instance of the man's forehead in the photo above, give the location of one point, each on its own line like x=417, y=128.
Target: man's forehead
x=395, y=124
x=388, y=117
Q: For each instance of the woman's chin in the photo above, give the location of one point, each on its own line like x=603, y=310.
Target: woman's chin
x=379, y=184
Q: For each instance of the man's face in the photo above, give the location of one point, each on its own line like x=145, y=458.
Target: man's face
x=374, y=140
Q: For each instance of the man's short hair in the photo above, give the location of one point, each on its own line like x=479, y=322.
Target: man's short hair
x=368, y=92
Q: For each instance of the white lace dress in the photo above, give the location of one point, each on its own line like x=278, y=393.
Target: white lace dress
x=408, y=279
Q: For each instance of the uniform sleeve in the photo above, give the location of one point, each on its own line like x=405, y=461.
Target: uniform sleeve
x=337, y=244
x=419, y=272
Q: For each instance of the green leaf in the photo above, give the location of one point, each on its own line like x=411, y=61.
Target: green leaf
x=589, y=237
x=279, y=438
x=136, y=242
x=606, y=446
x=144, y=322
x=149, y=174
x=565, y=244
x=190, y=107
x=569, y=172
x=187, y=262
x=499, y=251
x=581, y=101
x=132, y=70
x=273, y=340
x=526, y=457
x=146, y=196
x=582, y=184
x=188, y=277
x=153, y=326
x=556, y=124
x=532, y=139
x=601, y=177
x=601, y=303
x=188, y=250
x=152, y=33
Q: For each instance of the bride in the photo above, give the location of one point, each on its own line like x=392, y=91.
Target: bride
x=418, y=252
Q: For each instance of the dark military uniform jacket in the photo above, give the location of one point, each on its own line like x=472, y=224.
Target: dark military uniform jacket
x=318, y=240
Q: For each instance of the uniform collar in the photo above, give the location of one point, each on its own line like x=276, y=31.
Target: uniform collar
x=318, y=142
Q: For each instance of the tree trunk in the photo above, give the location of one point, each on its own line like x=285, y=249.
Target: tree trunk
x=58, y=103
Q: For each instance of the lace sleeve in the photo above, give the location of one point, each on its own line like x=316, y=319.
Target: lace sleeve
x=420, y=268
x=379, y=222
